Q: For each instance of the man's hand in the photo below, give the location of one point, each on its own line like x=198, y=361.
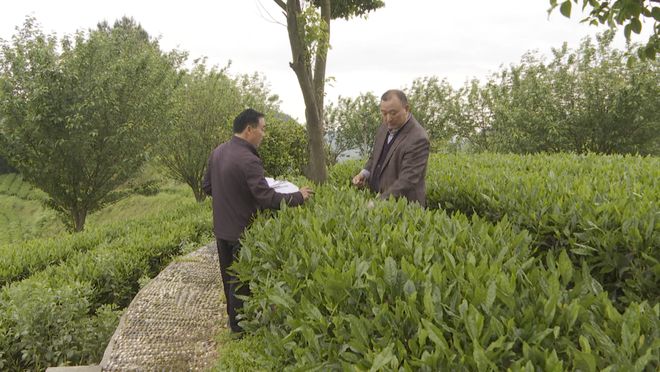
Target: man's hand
x=359, y=180
x=306, y=192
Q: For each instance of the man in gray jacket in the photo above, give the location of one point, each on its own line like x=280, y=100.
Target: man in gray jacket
x=397, y=165
x=235, y=179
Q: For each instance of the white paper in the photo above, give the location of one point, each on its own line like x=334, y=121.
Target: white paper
x=281, y=186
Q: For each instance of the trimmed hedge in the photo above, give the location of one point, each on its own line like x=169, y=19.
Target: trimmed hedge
x=66, y=313
x=603, y=210
x=337, y=285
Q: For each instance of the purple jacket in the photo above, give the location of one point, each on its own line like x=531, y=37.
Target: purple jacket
x=235, y=179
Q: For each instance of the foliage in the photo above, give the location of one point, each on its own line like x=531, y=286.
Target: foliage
x=587, y=100
x=352, y=123
x=4, y=166
x=342, y=173
x=205, y=104
x=24, y=258
x=80, y=115
x=66, y=313
x=255, y=92
x=474, y=117
x=22, y=214
x=602, y=210
x=239, y=356
x=396, y=287
x=348, y=9
x=626, y=13
x=284, y=148
x=308, y=25
x=433, y=103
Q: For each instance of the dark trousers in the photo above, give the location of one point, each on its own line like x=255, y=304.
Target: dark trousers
x=227, y=253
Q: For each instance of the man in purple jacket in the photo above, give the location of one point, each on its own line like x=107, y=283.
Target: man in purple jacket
x=235, y=179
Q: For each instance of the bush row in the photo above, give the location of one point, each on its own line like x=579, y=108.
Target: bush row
x=27, y=257
x=22, y=259
x=603, y=210
x=65, y=314
x=396, y=287
x=12, y=184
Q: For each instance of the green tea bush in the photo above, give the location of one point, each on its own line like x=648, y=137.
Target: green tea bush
x=12, y=184
x=21, y=260
x=337, y=285
x=24, y=258
x=51, y=325
x=65, y=313
x=603, y=210
x=342, y=174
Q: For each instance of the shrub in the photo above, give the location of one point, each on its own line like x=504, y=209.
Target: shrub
x=66, y=313
x=284, y=148
x=340, y=286
x=602, y=210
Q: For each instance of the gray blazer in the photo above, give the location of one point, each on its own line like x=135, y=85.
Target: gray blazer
x=404, y=167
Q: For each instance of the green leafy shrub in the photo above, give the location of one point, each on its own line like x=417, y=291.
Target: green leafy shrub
x=24, y=258
x=602, y=209
x=342, y=174
x=64, y=313
x=284, y=148
x=53, y=325
x=340, y=286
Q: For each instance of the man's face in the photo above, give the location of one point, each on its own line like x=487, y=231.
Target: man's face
x=394, y=112
x=256, y=134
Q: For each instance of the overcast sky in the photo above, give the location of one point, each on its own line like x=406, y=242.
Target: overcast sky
x=407, y=39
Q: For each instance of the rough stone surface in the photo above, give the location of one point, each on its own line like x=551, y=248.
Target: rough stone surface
x=172, y=322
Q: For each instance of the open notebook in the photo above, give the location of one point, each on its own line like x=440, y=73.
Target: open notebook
x=281, y=186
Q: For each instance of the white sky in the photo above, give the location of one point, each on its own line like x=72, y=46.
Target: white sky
x=407, y=39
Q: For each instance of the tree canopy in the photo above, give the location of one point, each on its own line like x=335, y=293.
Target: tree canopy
x=614, y=13
x=79, y=115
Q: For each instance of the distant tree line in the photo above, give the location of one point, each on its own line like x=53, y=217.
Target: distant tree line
x=592, y=99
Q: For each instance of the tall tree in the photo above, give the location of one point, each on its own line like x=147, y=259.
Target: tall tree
x=352, y=123
x=308, y=25
x=203, y=108
x=80, y=115
x=585, y=100
x=434, y=105
x=626, y=13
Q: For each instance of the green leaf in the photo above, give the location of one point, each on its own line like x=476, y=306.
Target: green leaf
x=636, y=25
x=391, y=272
x=565, y=9
x=491, y=294
x=565, y=267
x=656, y=13
x=383, y=358
x=584, y=344
x=474, y=323
x=435, y=334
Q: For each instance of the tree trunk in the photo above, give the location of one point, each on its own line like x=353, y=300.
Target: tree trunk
x=310, y=85
x=78, y=217
x=200, y=195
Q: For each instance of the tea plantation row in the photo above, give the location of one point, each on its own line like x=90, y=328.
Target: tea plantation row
x=65, y=311
x=337, y=285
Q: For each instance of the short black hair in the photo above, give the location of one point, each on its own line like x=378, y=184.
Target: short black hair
x=395, y=93
x=247, y=117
